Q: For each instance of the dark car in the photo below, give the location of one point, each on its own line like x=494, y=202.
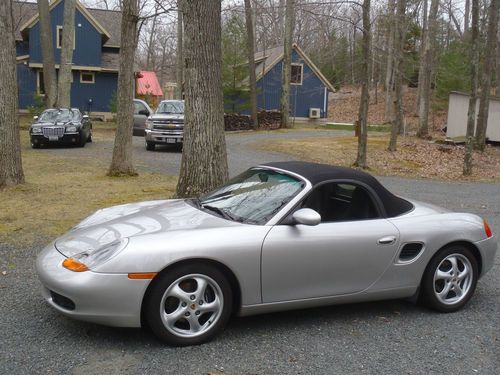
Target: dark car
x=141, y=113
x=60, y=126
x=166, y=125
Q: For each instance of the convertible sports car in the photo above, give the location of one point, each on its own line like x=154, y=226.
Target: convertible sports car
x=279, y=236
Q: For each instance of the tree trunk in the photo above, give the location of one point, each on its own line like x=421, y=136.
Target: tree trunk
x=471, y=113
x=121, y=164
x=179, y=68
x=422, y=60
x=251, y=63
x=11, y=169
x=497, y=73
x=204, y=160
x=429, y=46
x=399, y=39
x=466, y=16
x=287, y=64
x=151, y=48
x=49, y=70
x=65, y=72
x=489, y=63
x=389, y=74
x=365, y=81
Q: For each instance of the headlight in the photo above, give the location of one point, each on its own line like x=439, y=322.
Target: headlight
x=90, y=259
x=149, y=124
x=70, y=129
x=36, y=130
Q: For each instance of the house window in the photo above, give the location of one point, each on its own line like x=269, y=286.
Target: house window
x=40, y=85
x=59, y=37
x=87, y=77
x=297, y=70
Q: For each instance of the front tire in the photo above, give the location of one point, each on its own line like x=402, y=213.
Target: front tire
x=450, y=279
x=188, y=305
x=150, y=146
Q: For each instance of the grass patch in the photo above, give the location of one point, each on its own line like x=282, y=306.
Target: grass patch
x=371, y=128
x=60, y=191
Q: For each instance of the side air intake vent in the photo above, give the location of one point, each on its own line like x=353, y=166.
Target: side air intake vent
x=410, y=251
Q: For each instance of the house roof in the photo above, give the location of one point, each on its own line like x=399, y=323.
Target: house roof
x=147, y=83
x=26, y=16
x=267, y=59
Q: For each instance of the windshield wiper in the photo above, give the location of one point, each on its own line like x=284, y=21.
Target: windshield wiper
x=220, y=211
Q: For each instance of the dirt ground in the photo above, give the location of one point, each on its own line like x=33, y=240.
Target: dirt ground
x=343, y=107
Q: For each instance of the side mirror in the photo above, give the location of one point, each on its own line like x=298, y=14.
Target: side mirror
x=35, y=118
x=306, y=216
x=144, y=112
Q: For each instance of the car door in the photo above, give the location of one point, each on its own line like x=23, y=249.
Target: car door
x=139, y=118
x=336, y=257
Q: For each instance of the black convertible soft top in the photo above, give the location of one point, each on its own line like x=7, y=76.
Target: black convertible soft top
x=318, y=173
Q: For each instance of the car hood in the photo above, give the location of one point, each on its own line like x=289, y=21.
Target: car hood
x=136, y=219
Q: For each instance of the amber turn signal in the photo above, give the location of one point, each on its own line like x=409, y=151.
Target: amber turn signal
x=74, y=265
x=487, y=229
x=141, y=275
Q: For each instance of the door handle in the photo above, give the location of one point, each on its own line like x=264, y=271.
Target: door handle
x=389, y=240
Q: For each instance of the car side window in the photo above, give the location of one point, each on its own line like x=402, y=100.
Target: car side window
x=138, y=107
x=341, y=202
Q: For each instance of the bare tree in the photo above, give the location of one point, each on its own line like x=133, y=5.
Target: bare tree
x=497, y=73
x=49, y=70
x=11, y=169
x=389, y=74
x=204, y=159
x=471, y=114
x=287, y=64
x=365, y=87
x=488, y=69
x=179, y=70
x=466, y=16
x=397, y=122
x=68, y=39
x=121, y=163
x=428, y=56
x=421, y=68
x=251, y=63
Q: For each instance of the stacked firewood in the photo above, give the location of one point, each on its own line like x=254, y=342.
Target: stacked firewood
x=267, y=120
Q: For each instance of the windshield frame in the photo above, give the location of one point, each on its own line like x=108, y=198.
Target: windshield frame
x=75, y=115
x=172, y=102
x=280, y=213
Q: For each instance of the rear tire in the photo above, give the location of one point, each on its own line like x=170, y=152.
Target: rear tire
x=188, y=305
x=450, y=279
x=150, y=146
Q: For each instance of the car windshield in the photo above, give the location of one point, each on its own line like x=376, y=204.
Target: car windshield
x=171, y=107
x=253, y=197
x=58, y=115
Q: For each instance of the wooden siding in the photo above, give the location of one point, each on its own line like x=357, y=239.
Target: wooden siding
x=26, y=81
x=88, y=42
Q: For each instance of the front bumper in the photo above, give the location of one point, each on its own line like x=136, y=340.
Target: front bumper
x=164, y=137
x=105, y=298
x=67, y=138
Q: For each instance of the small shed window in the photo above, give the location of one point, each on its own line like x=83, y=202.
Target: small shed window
x=87, y=77
x=59, y=37
x=40, y=85
x=297, y=73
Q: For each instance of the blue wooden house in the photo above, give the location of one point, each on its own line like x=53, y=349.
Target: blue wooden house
x=95, y=54
x=309, y=88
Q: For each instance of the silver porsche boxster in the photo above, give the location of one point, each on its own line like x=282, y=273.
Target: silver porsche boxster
x=279, y=236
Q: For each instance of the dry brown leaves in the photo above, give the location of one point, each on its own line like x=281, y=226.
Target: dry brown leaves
x=343, y=107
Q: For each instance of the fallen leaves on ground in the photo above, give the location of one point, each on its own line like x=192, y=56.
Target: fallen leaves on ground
x=414, y=157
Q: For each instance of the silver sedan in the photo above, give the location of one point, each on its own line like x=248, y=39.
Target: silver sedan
x=279, y=236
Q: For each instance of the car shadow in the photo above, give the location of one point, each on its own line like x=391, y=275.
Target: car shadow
x=242, y=328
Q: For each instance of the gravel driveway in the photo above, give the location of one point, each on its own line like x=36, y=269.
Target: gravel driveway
x=392, y=337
